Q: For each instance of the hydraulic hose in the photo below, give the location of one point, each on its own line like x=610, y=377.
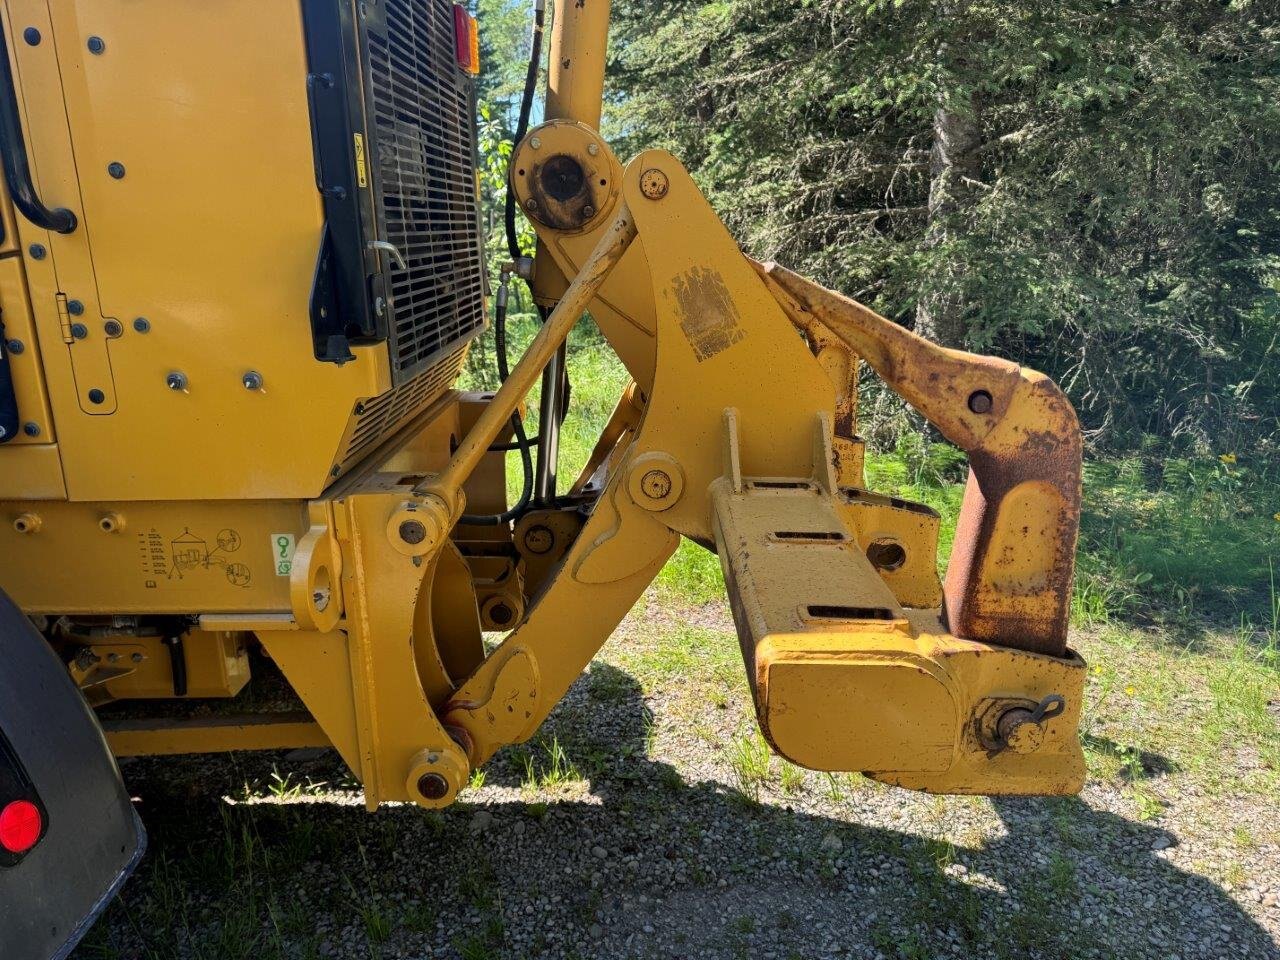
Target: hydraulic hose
x=523, y=443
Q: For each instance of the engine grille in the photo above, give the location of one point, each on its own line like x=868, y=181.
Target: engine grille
x=376, y=419
x=423, y=126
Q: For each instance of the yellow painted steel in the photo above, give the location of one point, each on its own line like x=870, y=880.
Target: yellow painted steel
x=133, y=738
x=211, y=237
x=575, y=79
x=320, y=512
x=132, y=667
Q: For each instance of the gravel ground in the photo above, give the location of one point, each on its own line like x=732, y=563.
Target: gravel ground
x=643, y=822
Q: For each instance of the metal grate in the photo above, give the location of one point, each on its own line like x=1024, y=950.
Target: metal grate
x=375, y=420
x=423, y=128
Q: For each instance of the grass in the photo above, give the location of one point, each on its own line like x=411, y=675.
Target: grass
x=547, y=767
x=750, y=759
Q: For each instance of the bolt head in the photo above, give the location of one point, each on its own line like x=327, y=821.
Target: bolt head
x=37, y=251
x=79, y=331
x=97, y=46
x=413, y=532
x=654, y=184
x=252, y=380
x=32, y=36
x=588, y=211
x=531, y=204
x=75, y=307
x=31, y=429
x=539, y=539
x=433, y=786
x=15, y=347
x=534, y=143
x=97, y=397
x=176, y=380
x=142, y=325
x=592, y=149
x=656, y=485
x=112, y=328
x=136, y=657
x=115, y=170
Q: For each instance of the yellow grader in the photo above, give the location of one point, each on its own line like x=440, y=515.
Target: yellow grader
x=242, y=267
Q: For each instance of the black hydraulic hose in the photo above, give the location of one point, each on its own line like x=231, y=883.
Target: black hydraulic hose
x=522, y=442
x=522, y=125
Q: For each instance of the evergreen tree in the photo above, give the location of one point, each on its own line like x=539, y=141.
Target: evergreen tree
x=1088, y=186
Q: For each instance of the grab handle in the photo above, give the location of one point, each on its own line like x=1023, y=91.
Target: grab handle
x=13, y=153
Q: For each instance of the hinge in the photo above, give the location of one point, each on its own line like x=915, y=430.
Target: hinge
x=64, y=319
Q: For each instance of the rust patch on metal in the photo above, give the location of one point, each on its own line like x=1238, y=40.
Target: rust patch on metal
x=565, y=192
x=708, y=315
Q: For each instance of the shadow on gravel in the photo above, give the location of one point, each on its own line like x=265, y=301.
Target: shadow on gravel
x=638, y=862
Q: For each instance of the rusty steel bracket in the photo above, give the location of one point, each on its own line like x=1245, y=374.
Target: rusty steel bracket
x=1010, y=576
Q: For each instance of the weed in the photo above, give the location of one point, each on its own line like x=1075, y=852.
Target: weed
x=749, y=756
x=377, y=925
x=551, y=771
x=792, y=778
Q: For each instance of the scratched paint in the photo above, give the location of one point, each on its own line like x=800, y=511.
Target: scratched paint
x=708, y=315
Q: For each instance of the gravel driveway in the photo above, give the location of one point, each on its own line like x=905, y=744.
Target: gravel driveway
x=645, y=821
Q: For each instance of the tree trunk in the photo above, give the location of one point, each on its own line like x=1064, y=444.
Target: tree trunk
x=704, y=103
x=954, y=166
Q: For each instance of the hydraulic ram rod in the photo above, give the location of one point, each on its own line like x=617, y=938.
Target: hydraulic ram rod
x=613, y=244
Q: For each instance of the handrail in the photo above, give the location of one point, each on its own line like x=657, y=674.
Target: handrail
x=13, y=154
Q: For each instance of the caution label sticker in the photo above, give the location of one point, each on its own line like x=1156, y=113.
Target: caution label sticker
x=362, y=166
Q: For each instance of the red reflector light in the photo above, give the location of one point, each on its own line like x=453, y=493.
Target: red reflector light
x=466, y=40
x=20, y=826
x=461, y=35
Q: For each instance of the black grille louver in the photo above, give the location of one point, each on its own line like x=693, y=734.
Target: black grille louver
x=417, y=122
x=424, y=131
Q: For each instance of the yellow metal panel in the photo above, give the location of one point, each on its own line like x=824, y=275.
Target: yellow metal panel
x=318, y=667
x=132, y=738
x=31, y=472
x=157, y=558
x=7, y=215
x=830, y=708
x=138, y=668
x=28, y=375
x=901, y=540
x=211, y=236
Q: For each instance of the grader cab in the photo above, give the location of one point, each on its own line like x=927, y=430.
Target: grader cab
x=242, y=267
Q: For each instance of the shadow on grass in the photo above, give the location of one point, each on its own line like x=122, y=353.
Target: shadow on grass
x=622, y=856
x=1141, y=764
